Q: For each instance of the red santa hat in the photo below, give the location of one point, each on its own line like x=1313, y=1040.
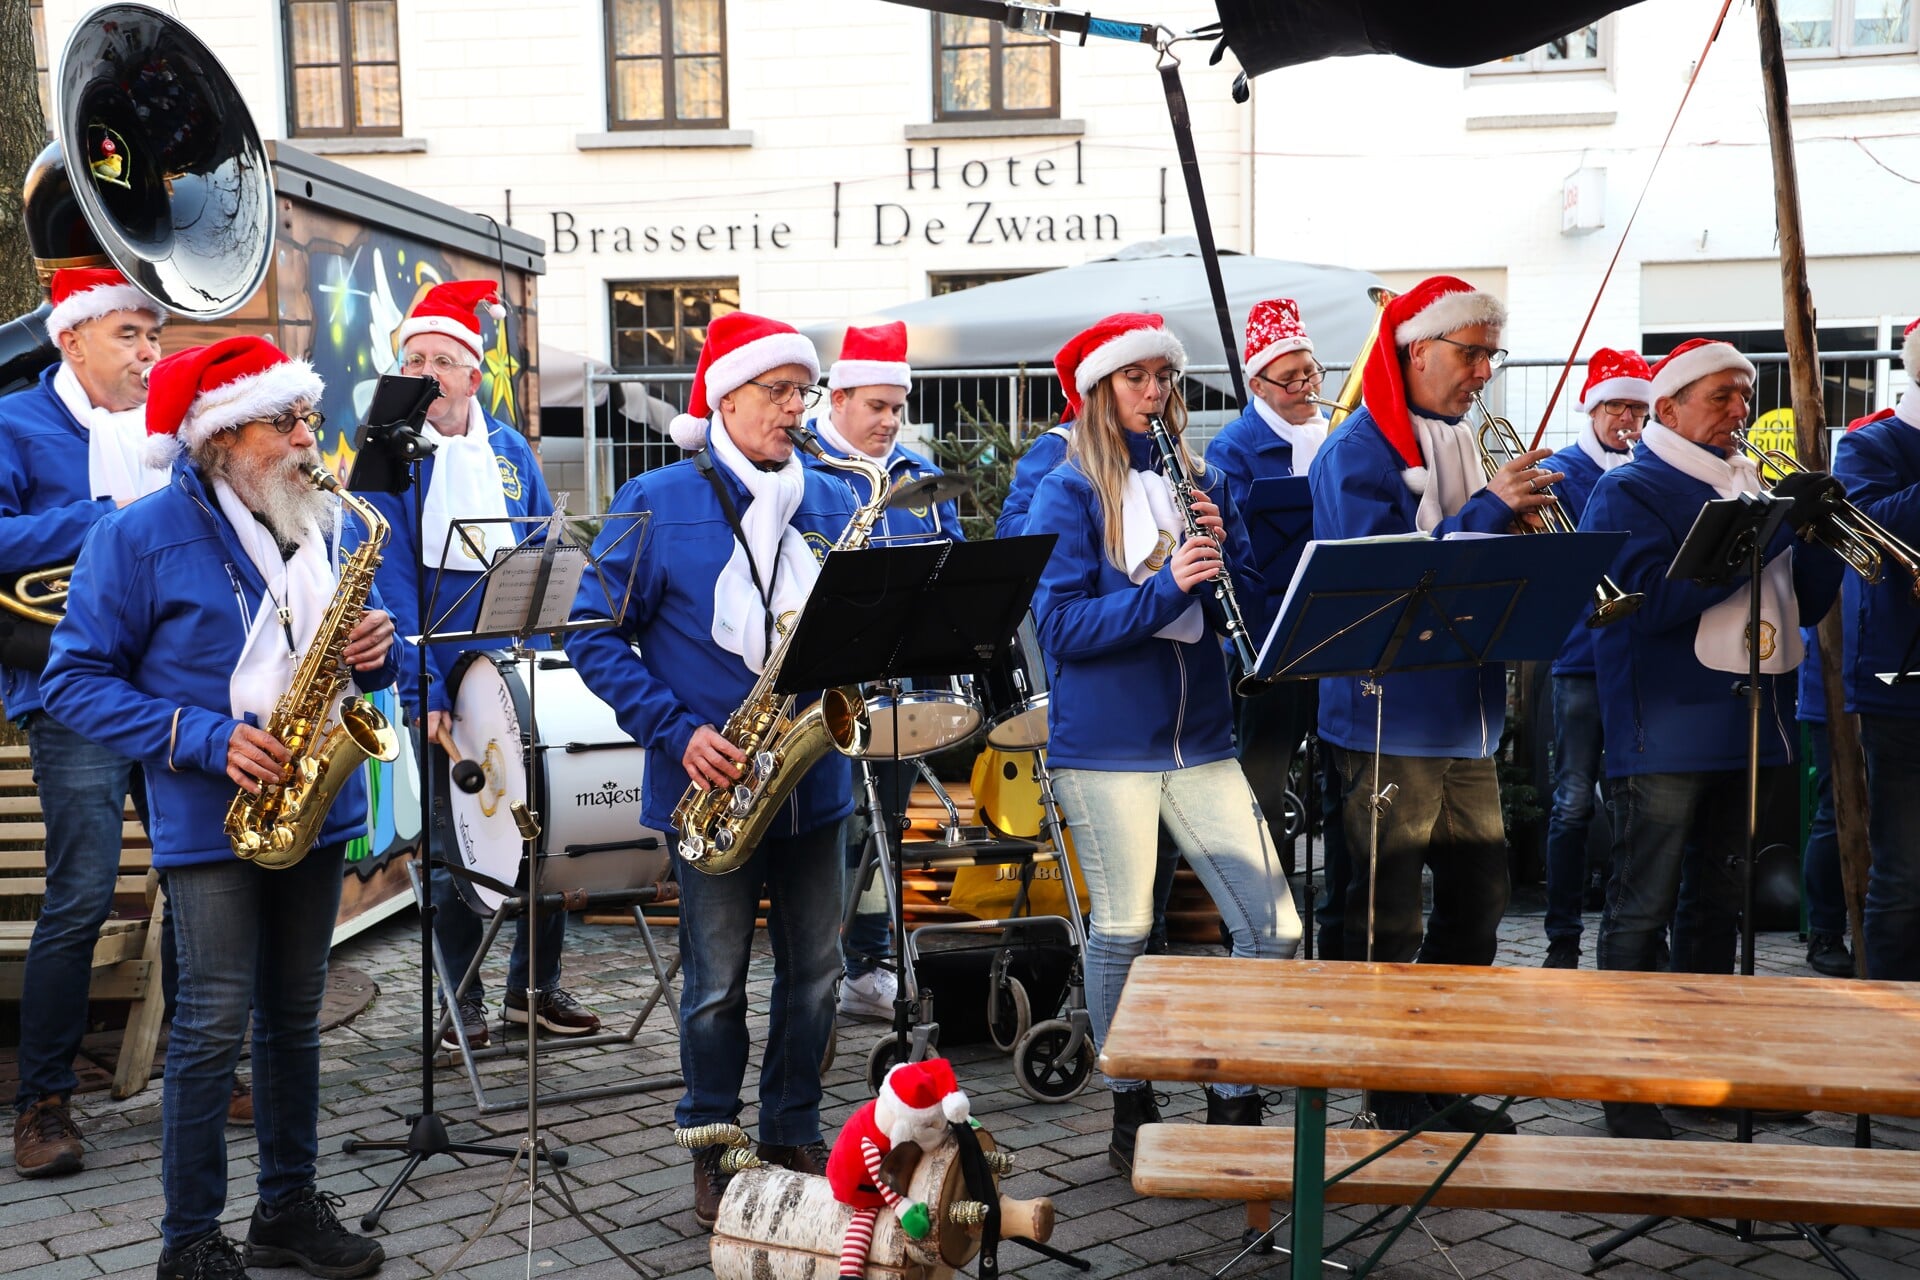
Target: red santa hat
x=1434, y=308
x=1112, y=344
x=872, y=357
x=1274, y=330
x=1693, y=360
x=194, y=394
x=740, y=346
x=1910, y=351
x=451, y=309
x=81, y=294
x=919, y=1097
x=1615, y=375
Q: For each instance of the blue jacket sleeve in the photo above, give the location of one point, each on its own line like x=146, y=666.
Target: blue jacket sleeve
x=1041, y=457
x=1876, y=483
x=45, y=537
x=1234, y=467
x=949, y=514
x=111, y=613
x=1076, y=620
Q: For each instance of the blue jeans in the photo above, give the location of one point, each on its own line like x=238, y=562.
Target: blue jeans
x=870, y=937
x=1576, y=765
x=1116, y=816
x=249, y=941
x=1892, y=746
x=802, y=875
x=82, y=790
x=1820, y=861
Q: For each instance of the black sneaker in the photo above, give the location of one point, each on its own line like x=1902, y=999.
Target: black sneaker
x=473, y=1016
x=1827, y=953
x=1562, y=953
x=558, y=1011
x=304, y=1232
x=211, y=1257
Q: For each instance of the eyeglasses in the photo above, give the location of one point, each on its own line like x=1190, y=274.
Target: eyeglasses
x=1294, y=386
x=414, y=362
x=286, y=422
x=1624, y=409
x=781, y=393
x=1494, y=356
x=1137, y=377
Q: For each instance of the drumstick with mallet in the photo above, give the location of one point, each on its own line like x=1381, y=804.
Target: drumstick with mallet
x=467, y=775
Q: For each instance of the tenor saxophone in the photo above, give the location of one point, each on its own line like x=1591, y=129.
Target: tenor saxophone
x=719, y=829
x=276, y=828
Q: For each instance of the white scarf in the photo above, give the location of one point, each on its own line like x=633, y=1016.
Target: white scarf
x=739, y=614
x=302, y=587
x=1604, y=458
x=116, y=444
x=1305, y=439
x=1150, y=530
x=1908, y=410
x=1452, y=474
x=466, y=486
x=1720, y=640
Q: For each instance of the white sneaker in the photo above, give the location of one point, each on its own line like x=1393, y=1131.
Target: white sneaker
x=870, y=995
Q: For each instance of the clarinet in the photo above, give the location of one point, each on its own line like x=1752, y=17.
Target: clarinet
x=1183, y=494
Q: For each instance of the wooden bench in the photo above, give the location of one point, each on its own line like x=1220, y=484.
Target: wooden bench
x=126, y=958
x=1769, y=1183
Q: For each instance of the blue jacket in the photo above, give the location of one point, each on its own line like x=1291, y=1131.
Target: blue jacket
x=1246, y=450
x=1460, y=713
x=680, y=679
x=1048, y=450
x=1813, y=682
x=1582, y=473
x=1662, y=710
x=1880, y=465
x=163, y=596
x=1123, y=698
x=900, y=525
x=45, y=506
x=400, y=572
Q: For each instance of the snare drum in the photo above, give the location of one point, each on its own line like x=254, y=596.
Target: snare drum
x=919, y=717
x=587, y=783
x=1016, y=693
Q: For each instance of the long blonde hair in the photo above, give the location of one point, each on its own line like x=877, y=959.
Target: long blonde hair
x=1099, y=445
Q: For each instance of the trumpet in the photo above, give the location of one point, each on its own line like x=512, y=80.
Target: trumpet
x=1850, y=533
x=1498, y=444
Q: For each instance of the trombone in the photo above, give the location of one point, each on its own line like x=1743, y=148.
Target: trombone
x=38, y=595
x=1850, y=533
x=1499, y=444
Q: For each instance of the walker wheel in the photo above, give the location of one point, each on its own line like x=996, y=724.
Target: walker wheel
x=1040, y=1069
x=1009, y=1013
x=833, y=1048
x=887, y=1054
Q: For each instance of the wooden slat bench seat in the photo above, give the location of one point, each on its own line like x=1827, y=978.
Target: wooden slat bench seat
x=1770, y=1182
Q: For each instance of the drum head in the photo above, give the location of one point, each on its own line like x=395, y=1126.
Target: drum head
x=907, y=722
x=489, y=710
x=1023, y=730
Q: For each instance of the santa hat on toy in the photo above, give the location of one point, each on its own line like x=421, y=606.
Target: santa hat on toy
x=919, y=1096
x=194, y=394
x=1112, y=344
x=452, y=310
x=81, y=294
x=1910, y=352
x=872, y=357
x=1693, y=360
x=1274, y=330
x=1615, y=375
x=740, y=346
x=1434, y=308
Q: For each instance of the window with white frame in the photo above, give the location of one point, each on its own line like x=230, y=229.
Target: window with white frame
x=1846, y=28
x=1582, y=49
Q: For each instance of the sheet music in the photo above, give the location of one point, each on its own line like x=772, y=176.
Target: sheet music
x=516, y=573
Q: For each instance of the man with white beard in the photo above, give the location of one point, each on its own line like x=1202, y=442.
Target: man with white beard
x=189, y=614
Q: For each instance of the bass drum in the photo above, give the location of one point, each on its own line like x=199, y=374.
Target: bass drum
x=586, y=789
x=1016, y=693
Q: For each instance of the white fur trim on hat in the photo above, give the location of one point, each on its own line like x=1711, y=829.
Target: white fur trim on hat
x=847, y=374
x=689, y=432
x=1286, y=346
x=955, y=1107
x=266, y=394
x=1910, y=356
x=101, y=300
x=1682, y=371
x=1637, y=389
x=444, y=325
x=728, y=373
x=1449, y=314
x=1131, y=347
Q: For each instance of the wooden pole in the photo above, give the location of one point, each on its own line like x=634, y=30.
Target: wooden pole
x=1810, y=446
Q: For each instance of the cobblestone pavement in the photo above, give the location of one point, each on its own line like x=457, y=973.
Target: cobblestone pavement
x=634, y=1185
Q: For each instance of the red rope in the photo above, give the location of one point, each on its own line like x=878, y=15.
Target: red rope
x=1574, y=356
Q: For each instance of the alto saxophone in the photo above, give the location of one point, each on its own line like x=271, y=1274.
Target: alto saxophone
x=719, y=829
x=277, y=827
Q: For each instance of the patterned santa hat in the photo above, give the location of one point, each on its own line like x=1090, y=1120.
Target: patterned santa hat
x=1693, y=360
x=1434, y=308
x=194, y=394
x=1615, y=375
x=1273, y=330
x=872, y=357
x=81, y=294
x=451, y=309
x=1125, y=338
x=1910, y=351
x=918, y=1096
x=740, y=346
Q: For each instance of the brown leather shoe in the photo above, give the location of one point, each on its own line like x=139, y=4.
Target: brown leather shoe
x=46, y=1142
x=240, y=1103
x=709, y=1185
x=810, y=1159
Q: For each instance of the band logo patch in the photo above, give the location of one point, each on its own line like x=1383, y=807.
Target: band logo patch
x=818, y=543
x=1769, y=636
x=509, y=479
x=1162, y=548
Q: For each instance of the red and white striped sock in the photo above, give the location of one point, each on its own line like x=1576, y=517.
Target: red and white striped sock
x=859, y=1239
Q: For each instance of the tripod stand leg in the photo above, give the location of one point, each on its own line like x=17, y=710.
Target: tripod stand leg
x=428, y=1137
